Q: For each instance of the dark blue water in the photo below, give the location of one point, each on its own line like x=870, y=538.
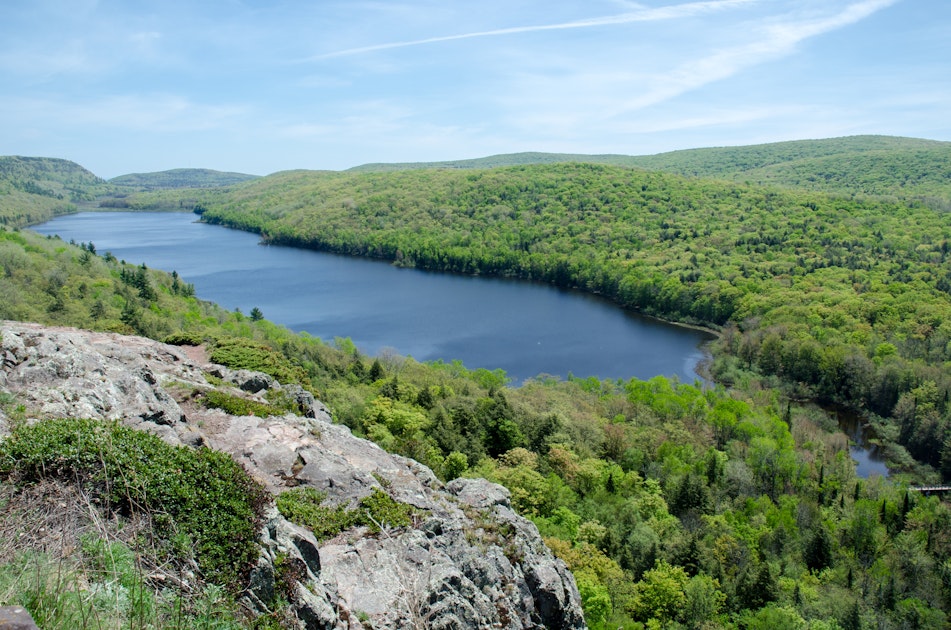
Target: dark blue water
x=869, y=459
x=524, y=328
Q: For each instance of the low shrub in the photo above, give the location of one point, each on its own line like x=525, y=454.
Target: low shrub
x=200, y=495
x=304, y=506
x=238, y=406
x=185, y=339
x=243, y=354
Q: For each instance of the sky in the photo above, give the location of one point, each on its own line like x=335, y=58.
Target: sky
x=255, y=86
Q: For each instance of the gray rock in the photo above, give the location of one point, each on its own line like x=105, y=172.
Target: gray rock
x=305, y=401
x=16, y=618
x=468, y=560
x=314, y=610
x=289, y=536
x=250, y=381
x=479, y=493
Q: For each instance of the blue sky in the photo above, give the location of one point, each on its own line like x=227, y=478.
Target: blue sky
x=260, y=86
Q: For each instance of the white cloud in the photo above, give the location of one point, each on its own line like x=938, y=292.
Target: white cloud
x=640, y=14
x=779, y=39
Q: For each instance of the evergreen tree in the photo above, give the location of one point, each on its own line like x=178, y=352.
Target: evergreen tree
x=818, y=552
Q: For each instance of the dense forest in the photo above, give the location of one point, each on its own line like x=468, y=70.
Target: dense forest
x=673, y=505
x=906, y=168
x=735, y=506
x=180, y=178
x=840, y=299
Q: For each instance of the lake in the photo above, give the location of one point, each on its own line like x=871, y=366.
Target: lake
x=524, y=328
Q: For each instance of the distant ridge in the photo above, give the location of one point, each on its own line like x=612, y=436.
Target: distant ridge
x=908, y=170
x=701, y=162
x=34, y=189
x=890, y=166
x=497, y=161
x=181, y=178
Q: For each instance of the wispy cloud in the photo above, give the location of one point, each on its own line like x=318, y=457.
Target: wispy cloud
x=779, y=39
x=690, y=9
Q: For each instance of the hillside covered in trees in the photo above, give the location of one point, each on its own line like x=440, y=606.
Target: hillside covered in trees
x=673, y=506
x=842, y=299
x=36, y=189
x=736, y=506
x=180, y=178
x=907, y=168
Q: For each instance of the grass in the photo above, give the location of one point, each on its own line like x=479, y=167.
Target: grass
x=208, y=506
x=72, y=564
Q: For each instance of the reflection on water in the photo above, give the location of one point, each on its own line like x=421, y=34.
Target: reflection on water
x=869, y=459
x=523, y=328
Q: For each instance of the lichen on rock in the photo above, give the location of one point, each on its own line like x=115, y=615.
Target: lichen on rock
x=467, y=560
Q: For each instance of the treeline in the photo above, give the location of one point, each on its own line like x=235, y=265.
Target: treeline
x=845, y=300
x=180, y=178
x=901, y=168
x=674, y=506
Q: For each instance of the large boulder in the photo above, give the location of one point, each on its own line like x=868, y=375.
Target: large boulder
x=467, y=561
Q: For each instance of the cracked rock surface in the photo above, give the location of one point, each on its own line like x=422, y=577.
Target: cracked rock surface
x=468, y=560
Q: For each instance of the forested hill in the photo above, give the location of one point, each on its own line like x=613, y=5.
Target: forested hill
x=496, y=161
x=35, y=188
x=673, y=506
x=849, y=298
x=906, y=168
x=180, y=178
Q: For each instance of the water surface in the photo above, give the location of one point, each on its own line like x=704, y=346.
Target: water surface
x=524, y=328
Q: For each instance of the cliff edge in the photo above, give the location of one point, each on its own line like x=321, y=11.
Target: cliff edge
x=466, y=560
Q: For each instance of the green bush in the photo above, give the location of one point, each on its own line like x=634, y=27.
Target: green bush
x=183, y=338
x=238, y=406
x=243, y=354
x=304, y=506
x=202, y=495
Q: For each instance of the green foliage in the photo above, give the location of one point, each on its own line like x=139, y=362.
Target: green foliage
x=305, y=506
x=204, y=494
x=244, y=354
x=240, y=406
x=660, y=594
x=180, y=178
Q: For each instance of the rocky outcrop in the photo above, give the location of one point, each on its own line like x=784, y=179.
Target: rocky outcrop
x=468, y=560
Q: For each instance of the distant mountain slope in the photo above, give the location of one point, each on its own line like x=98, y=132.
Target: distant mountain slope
x=496, y=161
x=181, y=178
x=35, y=188
x=906, y=168
x=728, y=162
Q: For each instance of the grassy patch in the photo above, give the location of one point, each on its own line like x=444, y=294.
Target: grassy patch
x=305, y=507
x=243, y=354
x=202, y=499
